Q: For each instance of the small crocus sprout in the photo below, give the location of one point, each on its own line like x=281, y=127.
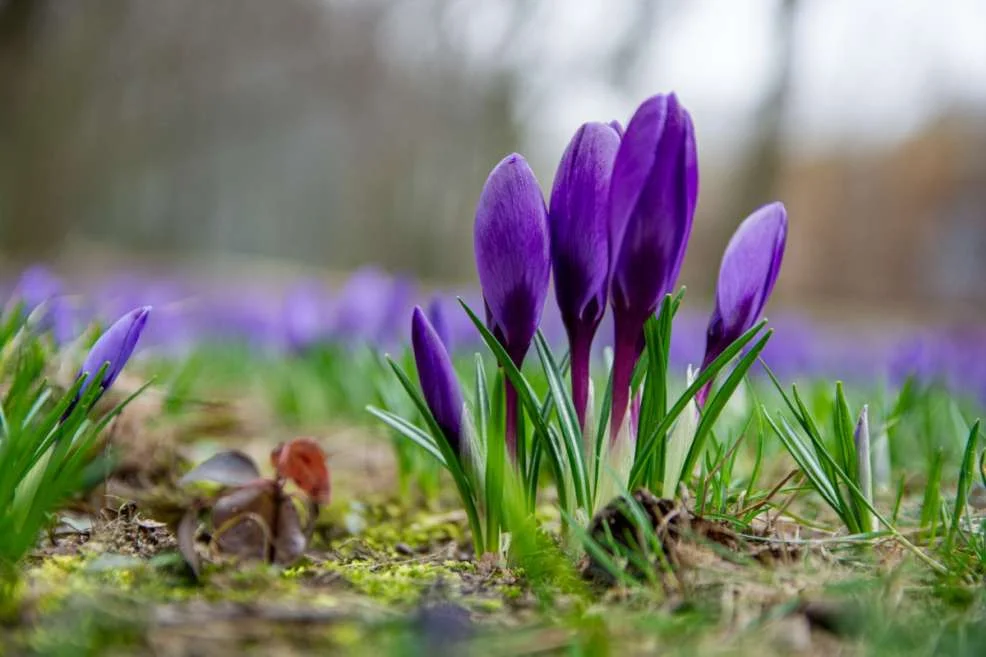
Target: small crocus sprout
x=680, y=443
x=653, y=192
x=114, y=348
x=437, y=378
x=578, y=221
x=513, y=261
x=864, y=467
x=749, y=269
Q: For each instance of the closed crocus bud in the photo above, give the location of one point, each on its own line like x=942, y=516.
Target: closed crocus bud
x=578, y=221
x=748, y=272
x=512, y=257
x=511, y=242
x=864, y=464
x=653, y=192
x=437, y=377
x=114, y=347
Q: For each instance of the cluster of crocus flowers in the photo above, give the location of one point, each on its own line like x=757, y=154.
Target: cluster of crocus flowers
x=615, y=233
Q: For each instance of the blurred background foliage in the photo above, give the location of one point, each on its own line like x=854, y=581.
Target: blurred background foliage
x=323, y=135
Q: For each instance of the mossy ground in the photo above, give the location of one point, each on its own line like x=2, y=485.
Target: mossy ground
x=392, y=573
x=405, y=584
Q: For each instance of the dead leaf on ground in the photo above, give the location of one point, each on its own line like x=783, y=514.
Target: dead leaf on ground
x=302, y=461
x=243, y=521
x=229, y=468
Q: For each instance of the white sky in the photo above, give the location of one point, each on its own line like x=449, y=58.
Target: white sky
x=863, y=70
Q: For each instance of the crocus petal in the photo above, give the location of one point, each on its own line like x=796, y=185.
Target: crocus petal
x=512, y=256
x=437, y=378
x=750, y=266
x=115, y=347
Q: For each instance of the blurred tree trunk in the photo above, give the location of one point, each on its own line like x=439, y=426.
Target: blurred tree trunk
x=762, y=163
x=27, y=224
x=50, y=54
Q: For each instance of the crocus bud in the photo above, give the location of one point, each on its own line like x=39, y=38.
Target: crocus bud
x=512, y=257
x=437, y=378
x=511, y=242
x=653, y=192
x=578, y=221
x=114, y=347
x=747, y=275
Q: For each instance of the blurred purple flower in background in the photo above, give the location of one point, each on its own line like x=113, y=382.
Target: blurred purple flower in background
x=439, y=322
x=36, y=285
x=39, y=289
x=271, y=320
x=370, y=308
x=306, y=316
x=653, y=194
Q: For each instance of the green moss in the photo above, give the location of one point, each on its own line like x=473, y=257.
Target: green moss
x=385, y=527
x=394, y=584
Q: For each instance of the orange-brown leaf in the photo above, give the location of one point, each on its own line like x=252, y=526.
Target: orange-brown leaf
x=302, y=461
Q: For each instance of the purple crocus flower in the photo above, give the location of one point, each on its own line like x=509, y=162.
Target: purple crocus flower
x=579, y=225
x=437, y=378
x=653, y=193
x=749, y=269
x=115, y=347
x=512, y=257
